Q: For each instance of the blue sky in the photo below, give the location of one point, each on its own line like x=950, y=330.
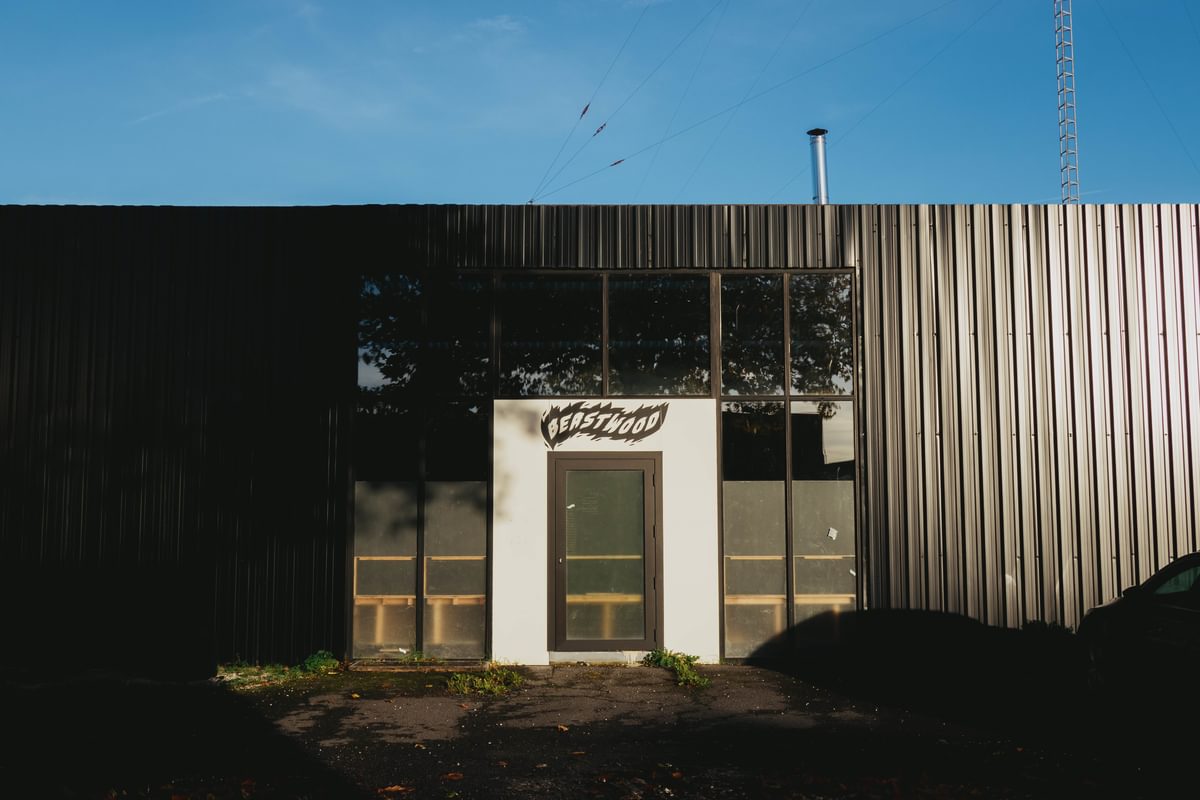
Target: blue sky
x=303, y=102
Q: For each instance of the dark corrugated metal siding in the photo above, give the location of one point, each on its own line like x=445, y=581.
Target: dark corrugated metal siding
x=172, y=425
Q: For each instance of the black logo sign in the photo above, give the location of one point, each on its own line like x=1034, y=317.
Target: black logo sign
x=601, y=421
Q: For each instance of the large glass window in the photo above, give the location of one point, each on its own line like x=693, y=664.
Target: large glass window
x=822, y=334
x=550, y=336
x=454, y=563
x=419, y=560
x=753, y=513
x=823, y=533
x=788, y=471
x=751, y=334
x=658, y=332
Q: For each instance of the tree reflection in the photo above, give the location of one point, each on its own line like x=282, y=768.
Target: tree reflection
x=389, y=336
x=752, y=334
x=658, y=336
x=550, y=336
x=822, y=334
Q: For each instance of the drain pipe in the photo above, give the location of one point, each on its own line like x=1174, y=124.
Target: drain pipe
x=816, y=137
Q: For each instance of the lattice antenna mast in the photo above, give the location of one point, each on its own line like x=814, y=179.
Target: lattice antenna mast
x=1068, y=146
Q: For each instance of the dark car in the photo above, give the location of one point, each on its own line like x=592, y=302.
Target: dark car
x=1151, y=633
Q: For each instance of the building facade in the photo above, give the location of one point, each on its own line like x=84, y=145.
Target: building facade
x=581, y=432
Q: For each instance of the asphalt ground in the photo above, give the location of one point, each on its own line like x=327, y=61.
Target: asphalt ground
x=804, y=731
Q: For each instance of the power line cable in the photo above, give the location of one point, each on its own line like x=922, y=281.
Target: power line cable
x=591, y=99
x=638, y=88
x=679, y=105
x=749, y=89
x=1191, y=19
x=1149, y=88
x=840, y=139
x=754, y=97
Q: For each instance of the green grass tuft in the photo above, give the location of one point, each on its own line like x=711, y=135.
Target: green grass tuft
x=319, y=662
x=494, y=680
x=682, y=664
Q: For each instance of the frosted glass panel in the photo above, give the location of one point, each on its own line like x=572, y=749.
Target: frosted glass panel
x=384, y=627
x=605, y=558
x=751, y=623
x=823, y=517
x=458, y=575
x=754, y=517
x=454, y=627
x=825, y=575
x=385, y=577
x=455, y=568
x=381, y=575
x=385, y=518
x=755, y=576
x=455, y=518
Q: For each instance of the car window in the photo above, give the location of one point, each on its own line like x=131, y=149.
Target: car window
x=1183, y=582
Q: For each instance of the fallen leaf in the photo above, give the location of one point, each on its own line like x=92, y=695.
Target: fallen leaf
x=355, y=695
x=464, y=705
x=578, y=753
x=540, y=766
x=563, y=728
x=453, y=776
x=429, y=686
x=395, y=788
x=419, y=746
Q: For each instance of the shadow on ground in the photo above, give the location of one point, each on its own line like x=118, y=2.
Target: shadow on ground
x=101, y=736
x=1029, y=684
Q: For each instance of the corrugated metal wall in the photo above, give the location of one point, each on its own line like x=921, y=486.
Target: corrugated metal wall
x=170, y=431
x=1032, y=409
x=176, y=385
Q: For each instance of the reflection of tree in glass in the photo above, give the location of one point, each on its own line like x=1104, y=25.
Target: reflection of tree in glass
x=550, y=336
x=822, y=334
x=458, y=336
x=658, y=335
x=752, y=334
x=389, y=331
x=447, y=355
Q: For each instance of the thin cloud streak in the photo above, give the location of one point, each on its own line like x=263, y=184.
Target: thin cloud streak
x=185, y=105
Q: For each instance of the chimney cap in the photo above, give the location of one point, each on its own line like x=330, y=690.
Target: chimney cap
x=818, y=132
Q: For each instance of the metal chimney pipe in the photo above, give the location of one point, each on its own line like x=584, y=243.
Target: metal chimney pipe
x=816, y=137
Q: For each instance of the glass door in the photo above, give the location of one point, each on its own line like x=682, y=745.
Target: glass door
x=605, y=558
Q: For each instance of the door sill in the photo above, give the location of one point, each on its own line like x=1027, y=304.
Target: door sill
x=597, y=656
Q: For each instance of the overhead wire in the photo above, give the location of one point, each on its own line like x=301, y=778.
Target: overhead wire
x=1191, y=19
x=753, y=97
x=631, y=95
x=591, y=100
x=1149, y=88
x=729, y=119
x=679, y=105
x=912, y=76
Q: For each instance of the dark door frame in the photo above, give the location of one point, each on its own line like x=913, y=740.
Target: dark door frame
x=650, y=463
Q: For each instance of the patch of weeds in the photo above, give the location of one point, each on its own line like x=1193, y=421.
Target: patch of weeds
x=319, y=662
x=683, y=665
x=240, y=675
x=493, y=680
